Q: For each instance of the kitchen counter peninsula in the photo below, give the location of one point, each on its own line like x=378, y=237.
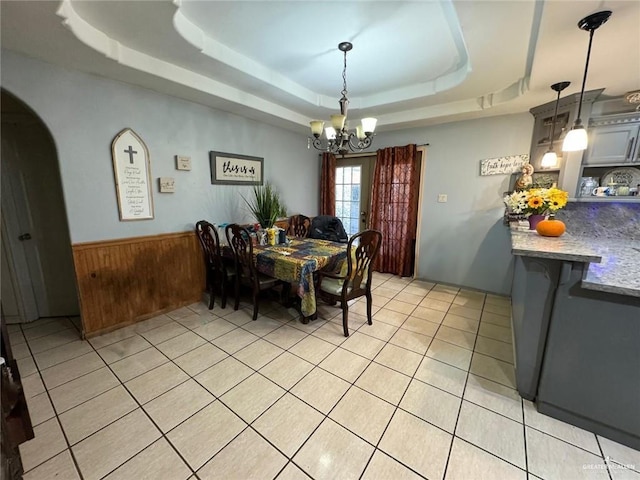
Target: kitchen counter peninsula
x=576, y=329
x=614, y=264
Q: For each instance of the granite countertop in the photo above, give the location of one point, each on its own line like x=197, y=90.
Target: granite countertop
x=614, y=264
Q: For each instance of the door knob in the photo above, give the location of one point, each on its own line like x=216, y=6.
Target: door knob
x=24, y=236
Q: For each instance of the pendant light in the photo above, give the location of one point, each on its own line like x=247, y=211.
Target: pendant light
x=577, y=139
x=550, y=158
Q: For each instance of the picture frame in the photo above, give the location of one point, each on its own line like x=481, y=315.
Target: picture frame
x=234, y=169
x=132, y=175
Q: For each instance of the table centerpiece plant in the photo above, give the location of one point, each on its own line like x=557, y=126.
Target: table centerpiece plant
x=266, y=205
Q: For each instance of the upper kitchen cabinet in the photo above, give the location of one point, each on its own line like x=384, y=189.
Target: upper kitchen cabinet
x=567, y=112
x=613, y=140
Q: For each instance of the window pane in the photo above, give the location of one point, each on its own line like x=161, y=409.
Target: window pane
x=355, y=193
x=347, y=192
x=355, y=178
x=339, y=175
x=339, y=193
x=347, y=175
x=355, y=210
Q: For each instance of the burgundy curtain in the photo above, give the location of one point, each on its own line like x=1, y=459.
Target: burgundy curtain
x=328, y=185
x=394, y=208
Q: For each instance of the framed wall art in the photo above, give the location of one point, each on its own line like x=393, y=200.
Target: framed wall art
x=132, y=176
x=233, y=169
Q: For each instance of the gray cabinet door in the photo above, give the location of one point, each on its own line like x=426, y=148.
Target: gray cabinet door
x=613, y=145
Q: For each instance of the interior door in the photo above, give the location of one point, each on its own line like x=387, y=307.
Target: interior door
x=353, y=192
x=22, y=256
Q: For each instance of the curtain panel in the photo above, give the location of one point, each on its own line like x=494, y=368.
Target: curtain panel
x=328, y=184
x=394, y=208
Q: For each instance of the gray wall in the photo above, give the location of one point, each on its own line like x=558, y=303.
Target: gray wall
x=463, y=241
x=84, y=113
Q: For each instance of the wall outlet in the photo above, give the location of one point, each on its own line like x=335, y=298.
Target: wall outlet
x=442, y=198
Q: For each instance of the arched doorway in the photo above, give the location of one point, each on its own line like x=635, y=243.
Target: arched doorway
x=37, y=263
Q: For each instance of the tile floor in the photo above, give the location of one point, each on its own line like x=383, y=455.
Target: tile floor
x=427, y=391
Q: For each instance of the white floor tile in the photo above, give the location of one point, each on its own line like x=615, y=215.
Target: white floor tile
x=553, y=459
x=247, y=457
x=251, y=397
x=382, y=466
x=431, y=404
x=286, y=370
x=157, y=461
x=363, y=414
x=494, y=396
x=556, y=428
x=61, y=466
x=469, y=462
x=203, y=435
x=320, y=389
x=408, y=438
x=399, y=359
x=178, y=404
x=442, y=375
x=383, y=382
x=223, y=376
x=89, y=417
x=110, y=447
x=288, y=423
x=333, y=449
x=494, y=433
x=345, y=364
x=48, y=442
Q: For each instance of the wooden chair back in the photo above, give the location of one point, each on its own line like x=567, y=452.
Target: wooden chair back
x=299, y=226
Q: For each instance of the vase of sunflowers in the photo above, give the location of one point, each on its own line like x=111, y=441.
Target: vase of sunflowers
x=536, y=203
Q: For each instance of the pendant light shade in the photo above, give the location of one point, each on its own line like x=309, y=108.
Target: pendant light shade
x=550, y=158
x=577, y=139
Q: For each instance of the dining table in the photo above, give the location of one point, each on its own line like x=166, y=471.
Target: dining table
x=295, y=262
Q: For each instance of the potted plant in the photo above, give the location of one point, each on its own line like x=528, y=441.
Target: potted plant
x=266, y=205
x=536, y=204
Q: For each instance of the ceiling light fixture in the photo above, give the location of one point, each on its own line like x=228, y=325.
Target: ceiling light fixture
x=339, y=139
x=577, y=139
x=550, y=159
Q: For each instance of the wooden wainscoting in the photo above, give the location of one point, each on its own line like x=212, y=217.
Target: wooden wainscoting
x=127, y=280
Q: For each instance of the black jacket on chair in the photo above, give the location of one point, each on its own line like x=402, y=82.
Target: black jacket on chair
x=326, y=227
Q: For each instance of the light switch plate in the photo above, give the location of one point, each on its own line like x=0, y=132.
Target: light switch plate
x=442, y=198
x=183, y=163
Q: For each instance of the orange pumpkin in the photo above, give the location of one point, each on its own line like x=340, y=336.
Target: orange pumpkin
x=550, y=228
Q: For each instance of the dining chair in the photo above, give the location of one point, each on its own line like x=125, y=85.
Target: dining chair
x=217, y=273
x=299, y=226
x=246, y=272
x=354, y=278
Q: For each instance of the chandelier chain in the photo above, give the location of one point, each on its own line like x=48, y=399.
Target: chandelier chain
x=344, y=76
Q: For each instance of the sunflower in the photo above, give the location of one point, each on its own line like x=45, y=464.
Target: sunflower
x=535, y=202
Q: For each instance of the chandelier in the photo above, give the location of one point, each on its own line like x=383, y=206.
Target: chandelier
x=338, y=137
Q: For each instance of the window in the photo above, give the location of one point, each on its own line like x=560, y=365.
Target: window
x=348, y=197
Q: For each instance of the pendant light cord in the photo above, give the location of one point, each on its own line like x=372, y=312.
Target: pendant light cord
x=584, y=78
x=553, y=122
